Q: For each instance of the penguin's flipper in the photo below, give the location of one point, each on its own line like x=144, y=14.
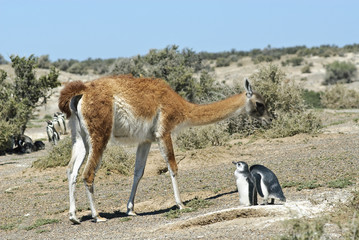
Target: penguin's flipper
x=258, y=179
x=251, y=191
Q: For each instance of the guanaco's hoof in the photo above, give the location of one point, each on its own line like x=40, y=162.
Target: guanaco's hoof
x=131, y=213
x=181, y=206
x=74, y=220
x=100, y=219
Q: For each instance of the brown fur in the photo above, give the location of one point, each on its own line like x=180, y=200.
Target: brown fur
x=70, y=90
x=98, y=96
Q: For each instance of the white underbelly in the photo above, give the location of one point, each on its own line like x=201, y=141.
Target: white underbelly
x=128, y=128
x=243, y=190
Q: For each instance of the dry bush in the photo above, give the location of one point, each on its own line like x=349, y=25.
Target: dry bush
x=115, y=158
x=340, y=97
x=284, y=100
x=340, y=72
x=201, y=137
x=290, y=124
x=58, y=156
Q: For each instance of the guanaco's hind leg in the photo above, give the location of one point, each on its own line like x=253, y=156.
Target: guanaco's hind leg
x=166, y=148
x=92, y=164
x=141, y=158
x=77, y=158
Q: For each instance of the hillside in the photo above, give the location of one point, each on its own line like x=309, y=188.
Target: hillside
x=311, y=81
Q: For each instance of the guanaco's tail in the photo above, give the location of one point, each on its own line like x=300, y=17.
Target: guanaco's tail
x=69, y=91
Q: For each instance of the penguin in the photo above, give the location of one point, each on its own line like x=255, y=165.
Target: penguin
x=245, y=184
x=267, y=184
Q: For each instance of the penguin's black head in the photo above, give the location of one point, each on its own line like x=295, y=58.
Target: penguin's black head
x=241, y=166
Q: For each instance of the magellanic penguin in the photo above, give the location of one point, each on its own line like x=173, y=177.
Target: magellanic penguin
x=245, y=184
x=267, y=184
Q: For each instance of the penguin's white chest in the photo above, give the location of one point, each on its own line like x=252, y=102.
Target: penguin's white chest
x=243, y=189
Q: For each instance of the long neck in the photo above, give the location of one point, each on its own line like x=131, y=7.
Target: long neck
x=214, y=112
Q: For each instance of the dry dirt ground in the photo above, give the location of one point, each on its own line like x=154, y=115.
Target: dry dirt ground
x=34, y=203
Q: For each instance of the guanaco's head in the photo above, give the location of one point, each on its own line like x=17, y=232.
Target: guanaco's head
x=255, y=105
x=241, y=166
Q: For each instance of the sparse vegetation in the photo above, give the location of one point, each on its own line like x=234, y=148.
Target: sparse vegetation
x=223, y=62
x=115, y=158
x=339, y=72
x=311, y=184
x=191, y=206
x=312, y=99
x=201, y=137
x=59, y=155
x=340, y=183
x=306, y=69
x=340, y=97
x=7, y=227
x=41, y=222
x=304, y=229
x=294, y=61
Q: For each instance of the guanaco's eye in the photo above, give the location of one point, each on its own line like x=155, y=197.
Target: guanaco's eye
x=260, y=108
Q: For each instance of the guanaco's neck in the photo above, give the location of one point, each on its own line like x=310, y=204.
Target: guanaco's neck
x=214, y=112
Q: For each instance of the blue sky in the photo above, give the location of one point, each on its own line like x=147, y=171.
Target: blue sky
x=80, y=29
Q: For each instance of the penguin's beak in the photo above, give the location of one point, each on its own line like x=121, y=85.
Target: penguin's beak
x=234, y=162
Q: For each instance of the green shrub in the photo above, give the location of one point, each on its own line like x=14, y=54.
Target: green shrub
x=201, y=137
x=279, y=93
x=284, y=101
x=306, y=69
x=18, y=98
x=116, y=159
x=243, y=125
x=6, y=131
x=339, y=72
x=44, y=62
x=59, y=155
x=77, y=68
x=223, y=62
x=340, y=97
x=262, y=58
x=175, y=67
x=3, y=60
x=290, y=124
x=294, y=61
x=312, y=99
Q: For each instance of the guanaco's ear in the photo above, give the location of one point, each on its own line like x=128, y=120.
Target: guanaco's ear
x=248, y=88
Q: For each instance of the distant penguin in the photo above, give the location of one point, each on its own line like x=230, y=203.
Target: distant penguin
x=267, y=184
x=245, y=184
